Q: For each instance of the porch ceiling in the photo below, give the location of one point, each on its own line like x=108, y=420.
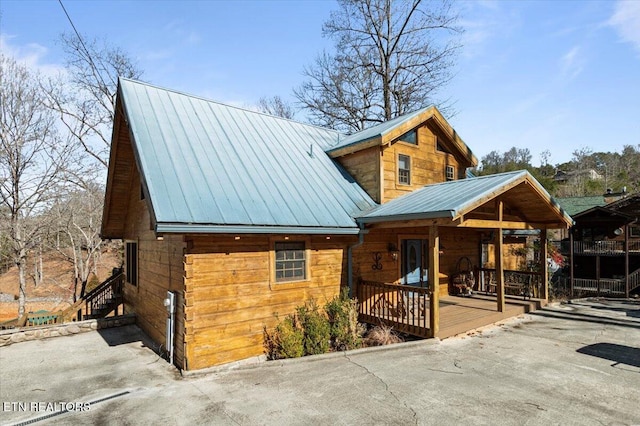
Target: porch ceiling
x=474, y=203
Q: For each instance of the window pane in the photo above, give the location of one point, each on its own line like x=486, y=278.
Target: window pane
x=290, y=261
x=404, y=169
x=410, y=137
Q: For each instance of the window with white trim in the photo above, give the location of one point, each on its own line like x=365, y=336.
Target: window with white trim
x=291, y=262
x=131, y=259
x=450, y=172
x=404, y=169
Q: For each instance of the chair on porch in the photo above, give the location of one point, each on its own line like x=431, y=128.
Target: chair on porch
x=462, y=281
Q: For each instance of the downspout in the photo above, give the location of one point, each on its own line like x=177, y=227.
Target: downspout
x=350, y=260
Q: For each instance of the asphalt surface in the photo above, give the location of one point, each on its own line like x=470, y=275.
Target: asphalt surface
x=568, y=364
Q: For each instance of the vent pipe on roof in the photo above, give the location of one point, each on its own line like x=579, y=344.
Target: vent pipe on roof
x=311, y=150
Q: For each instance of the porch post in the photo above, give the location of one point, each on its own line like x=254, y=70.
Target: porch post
x=571, y=277
x=434, y=281
x=499, y=260
x=626, y=260
x=544, y=265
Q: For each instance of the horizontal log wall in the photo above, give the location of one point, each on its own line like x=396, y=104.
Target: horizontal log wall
x=364, y=166
x=230, y=296
x=160, y=269
x=455, y=243
x=427, y=164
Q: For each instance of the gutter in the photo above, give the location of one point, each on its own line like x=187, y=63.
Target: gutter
x=189, y=228
x=350, y=260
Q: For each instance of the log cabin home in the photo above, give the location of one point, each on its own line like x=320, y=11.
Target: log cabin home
x=243, y=216
x=604, y=249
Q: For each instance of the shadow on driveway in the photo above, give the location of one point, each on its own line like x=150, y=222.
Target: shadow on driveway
x=577, y=316
x=620, y=354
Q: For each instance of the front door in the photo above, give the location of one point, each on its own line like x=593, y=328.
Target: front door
x=413, y=266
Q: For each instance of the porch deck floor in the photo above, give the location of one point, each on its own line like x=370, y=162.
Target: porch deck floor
x=462, y=314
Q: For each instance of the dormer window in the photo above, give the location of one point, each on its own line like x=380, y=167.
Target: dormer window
x=404, y=169
x=410, y=137
x=450, y=172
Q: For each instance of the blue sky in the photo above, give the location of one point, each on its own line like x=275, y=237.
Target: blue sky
x=543, y=75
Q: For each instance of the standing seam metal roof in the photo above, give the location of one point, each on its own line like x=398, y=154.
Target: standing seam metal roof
x=209, y=164
x=375, y=131
x=442, y=200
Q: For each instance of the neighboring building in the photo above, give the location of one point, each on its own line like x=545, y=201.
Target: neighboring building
x=242, y=216
x=576, y=176
x=605, y=249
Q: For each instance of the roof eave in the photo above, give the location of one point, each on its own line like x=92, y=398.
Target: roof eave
x=355, y=147
x=193, y=228
x=446, y=214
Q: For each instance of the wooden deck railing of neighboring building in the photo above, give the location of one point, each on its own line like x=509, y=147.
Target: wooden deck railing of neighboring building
x=606, y=286
x=403, y=307
x=605, y=248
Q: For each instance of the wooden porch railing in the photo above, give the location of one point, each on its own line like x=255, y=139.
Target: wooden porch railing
x=605, y=248
x=606, y=286
x=403, y=307
x=516, y=283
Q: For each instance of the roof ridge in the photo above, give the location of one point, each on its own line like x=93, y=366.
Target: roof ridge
x=202, y=98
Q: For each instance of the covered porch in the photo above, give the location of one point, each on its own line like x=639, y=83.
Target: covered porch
x=408, y=269
x=408, y=310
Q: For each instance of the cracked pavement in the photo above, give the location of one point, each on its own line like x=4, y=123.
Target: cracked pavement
x=576, y=363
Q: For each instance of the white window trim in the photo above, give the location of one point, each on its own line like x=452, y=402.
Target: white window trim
x=409, y=169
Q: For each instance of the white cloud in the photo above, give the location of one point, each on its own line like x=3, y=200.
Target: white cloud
x=626, y=21
x=572, y=63
x=32, y=55
x=484, y=21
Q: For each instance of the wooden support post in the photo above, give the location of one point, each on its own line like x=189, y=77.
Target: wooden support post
x=544, y=266
x=626, y=261
x=571, y=262
x=434, y=281
x=598, y=275
x=499, y=259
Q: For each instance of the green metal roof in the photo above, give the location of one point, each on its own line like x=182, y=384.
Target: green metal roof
x=448, y=199
x=375, y=131
x=209, y=167
x=575, y=205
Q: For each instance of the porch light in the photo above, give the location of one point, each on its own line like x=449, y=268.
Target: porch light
x=159, y=238
x=236, y=238
x=393, y=251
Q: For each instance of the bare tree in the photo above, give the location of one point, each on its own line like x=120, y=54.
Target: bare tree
x=391, y=57
x=32, y=160
x=76, y=218
x=275, y=105
x=86, y=102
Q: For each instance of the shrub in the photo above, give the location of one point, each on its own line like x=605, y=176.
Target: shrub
x=346, y=332
x=286, y=341
x=316, y=329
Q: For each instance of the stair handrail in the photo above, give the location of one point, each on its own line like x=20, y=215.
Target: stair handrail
x=634, y=280
x=72, y=311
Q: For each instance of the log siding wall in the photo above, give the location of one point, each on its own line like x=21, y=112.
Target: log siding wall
x=230, y=293
x=160, y=269
x=376, y=168
x=427, y=164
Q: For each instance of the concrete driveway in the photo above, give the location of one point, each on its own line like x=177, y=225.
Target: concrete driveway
x=568, y=364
